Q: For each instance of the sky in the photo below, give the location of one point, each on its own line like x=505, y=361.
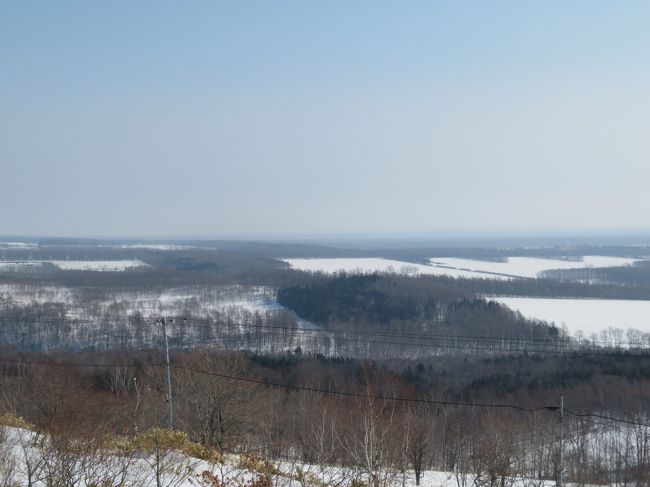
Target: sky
x=324, y=118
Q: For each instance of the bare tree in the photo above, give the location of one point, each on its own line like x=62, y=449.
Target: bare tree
x=367, y=438
x=417, y=425
x=166, y=456
x=215, y=410
x=7, y=459
x=32, y=456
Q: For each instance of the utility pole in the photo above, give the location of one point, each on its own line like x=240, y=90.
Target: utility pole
x=560, y=480
x=168, y=378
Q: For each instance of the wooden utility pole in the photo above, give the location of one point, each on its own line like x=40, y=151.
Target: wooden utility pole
x=560, y=474
x=168, y=377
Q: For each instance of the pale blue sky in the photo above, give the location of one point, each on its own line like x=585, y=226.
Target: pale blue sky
x=281, y=118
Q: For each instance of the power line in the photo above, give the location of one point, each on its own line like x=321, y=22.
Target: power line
x=501, y=341
x=403, y=399
x=503, y=346
x=608, y=418
x=289, y=386
x=76, y=364
x=222, y=342
x=334, y=392
x=469, y=347
x=425, y=336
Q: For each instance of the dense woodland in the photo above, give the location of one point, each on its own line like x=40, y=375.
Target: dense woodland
x=400, y=303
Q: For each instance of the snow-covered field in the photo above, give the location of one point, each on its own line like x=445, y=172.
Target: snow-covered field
x=18, y=245
x=585, y=315
x=9, y=266
x=514, y=267
x=167, y=247
x=529, y=266
x=28, y=455
x=368, y=265
x=24, y=294
x=74, y=265
x=201, y=300
x=98, y=265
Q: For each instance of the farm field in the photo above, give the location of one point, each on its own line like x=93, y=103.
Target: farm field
x=584, y=315
x=75, y=265
x=371, y=264
x=529, y=267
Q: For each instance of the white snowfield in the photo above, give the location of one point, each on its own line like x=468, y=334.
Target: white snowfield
x=98, y=265
x=76, y=265
x=584, y=315
x=18, y=245
x=26, y=454
x=153, y=246
x=6, y=265
x=369, y=265
x=172, y=301
x=204, y=301
x=514, y=267
x=529, y=267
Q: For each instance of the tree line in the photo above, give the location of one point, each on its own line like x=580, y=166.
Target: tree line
x=366, y=436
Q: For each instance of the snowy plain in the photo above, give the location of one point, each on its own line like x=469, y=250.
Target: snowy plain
x=98, y=265
x=18, y=245
x=513, y=267
x=368, y=265
x=76, y=265
x=11, y=266
x=584, y=315
x=166, y=247
x=530, y=267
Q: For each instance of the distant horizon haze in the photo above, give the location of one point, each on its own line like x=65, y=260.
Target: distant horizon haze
x=303, y=119
x=638, y=236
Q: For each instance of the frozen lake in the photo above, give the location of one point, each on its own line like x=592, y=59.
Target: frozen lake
x=585, y=315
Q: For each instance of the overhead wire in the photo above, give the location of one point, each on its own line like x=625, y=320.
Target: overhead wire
x=196, y=323
x=335, y=392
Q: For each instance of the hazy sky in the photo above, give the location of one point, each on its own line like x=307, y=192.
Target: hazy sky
x=279, y=118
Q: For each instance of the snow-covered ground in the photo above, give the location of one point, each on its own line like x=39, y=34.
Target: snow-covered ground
x=240, y=305
x=98, y=265
x=75, y=265
x=368, y=265
x=529, y=266
x=18, y=245
x=585, y=315
x=153, y=246
x=22, y=266
x=514, y=267
x=201, y=300
x=24, y=294
x=25, y=454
